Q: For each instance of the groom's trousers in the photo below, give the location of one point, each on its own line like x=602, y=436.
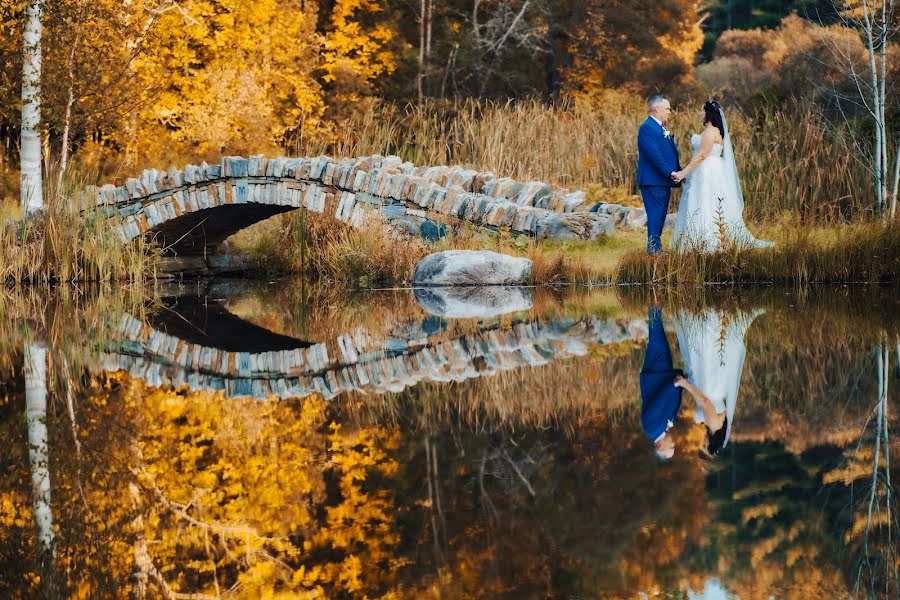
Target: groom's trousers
x=656, y=205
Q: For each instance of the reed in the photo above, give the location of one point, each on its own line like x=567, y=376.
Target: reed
x=326, y=250
x=863, y=253
x=792, y=160
x=65, y=244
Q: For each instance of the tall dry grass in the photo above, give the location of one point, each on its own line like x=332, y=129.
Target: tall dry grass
x=327, y=250
x=792, y=160
x=862, y=253
x=63, y=244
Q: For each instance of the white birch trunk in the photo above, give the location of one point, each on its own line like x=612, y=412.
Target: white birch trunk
x=896, y=179
x=38, y=452
x=64, y=147
x=32, y=192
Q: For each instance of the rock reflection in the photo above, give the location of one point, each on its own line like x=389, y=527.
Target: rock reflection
x=484, y=302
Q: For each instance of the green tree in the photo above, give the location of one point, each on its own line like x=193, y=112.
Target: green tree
x=722, y=15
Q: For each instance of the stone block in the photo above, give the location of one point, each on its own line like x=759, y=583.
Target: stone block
x=317, y=168
x=392, y=211
x=391, y=162
x=190, y=174
x=532, y=192
x=476, y=209
x=148, y=180
x=256, y=166
x=359, y=180
x=235, y=166
x=134, y=187
x=275, y=167
x=328, y=173
x=303, y=170
x=432, y=231
x=176, y=177
x=129, y=209
x=240, y=190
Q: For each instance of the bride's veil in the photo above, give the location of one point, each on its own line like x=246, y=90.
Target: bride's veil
x=731, y=166
x=731, y=173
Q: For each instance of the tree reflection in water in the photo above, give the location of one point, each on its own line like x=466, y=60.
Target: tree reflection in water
x=535, y=482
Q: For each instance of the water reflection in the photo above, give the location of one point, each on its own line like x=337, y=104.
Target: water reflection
x=212, y=350
x=497, y=456
x=473, y=302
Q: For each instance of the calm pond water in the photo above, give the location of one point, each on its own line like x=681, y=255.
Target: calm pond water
x=244, y=440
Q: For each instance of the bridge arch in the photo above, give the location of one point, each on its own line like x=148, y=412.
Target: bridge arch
x=191, y=211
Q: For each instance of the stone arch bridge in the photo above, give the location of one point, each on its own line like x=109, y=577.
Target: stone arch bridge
x=191, y=211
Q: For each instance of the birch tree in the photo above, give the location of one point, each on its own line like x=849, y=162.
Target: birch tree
x=876, y=22
x=30, y=157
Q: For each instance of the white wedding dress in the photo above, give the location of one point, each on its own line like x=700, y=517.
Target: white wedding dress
x=712, y=350
x=712, y=205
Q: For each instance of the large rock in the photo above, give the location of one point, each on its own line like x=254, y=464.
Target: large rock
x=471, y=267
x=473, y=302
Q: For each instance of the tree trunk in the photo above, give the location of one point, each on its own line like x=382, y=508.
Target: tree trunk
x=64, y=147
x=421, y=76
x=32, y=193
x=67, y=120
x=428, y=19
x=551, y=75
x=896, y=179
x=38, y=457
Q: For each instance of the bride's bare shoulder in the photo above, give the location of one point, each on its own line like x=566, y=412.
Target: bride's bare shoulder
x=712, y=134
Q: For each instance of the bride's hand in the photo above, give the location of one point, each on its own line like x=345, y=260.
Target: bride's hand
x=678, y=176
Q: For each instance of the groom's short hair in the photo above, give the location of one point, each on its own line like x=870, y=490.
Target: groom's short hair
x=654, y=100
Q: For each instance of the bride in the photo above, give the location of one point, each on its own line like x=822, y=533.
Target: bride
x=712, y=205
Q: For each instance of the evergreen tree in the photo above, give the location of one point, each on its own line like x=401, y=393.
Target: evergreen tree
x=722, y=15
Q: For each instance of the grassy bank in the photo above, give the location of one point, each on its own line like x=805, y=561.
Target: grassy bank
x=323, y=249
x=63, y=245
x=847, y=254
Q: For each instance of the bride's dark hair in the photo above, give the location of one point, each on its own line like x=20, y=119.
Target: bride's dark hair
x=712, y=115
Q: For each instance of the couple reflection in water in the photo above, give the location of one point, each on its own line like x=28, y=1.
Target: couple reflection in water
x=712, y=349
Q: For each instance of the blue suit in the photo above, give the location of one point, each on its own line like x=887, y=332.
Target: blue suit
x=657, y=160
x=660, y=399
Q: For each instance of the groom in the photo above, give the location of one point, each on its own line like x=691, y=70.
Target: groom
x=657, y=164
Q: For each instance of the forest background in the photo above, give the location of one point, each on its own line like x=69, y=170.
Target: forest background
x=152, y=83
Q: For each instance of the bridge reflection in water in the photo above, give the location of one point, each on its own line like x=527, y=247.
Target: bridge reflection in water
x=268, y=364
